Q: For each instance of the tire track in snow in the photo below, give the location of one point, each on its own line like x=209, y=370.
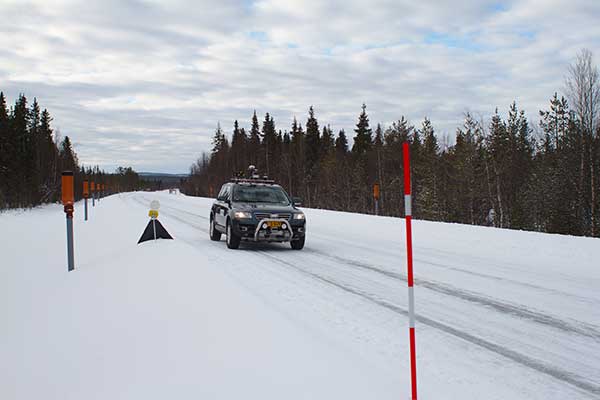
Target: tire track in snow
x=507, y=308
x=503, y=307
x=555, y=372
x=462, y=270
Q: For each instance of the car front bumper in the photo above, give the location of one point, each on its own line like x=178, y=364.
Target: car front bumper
x=251, y=230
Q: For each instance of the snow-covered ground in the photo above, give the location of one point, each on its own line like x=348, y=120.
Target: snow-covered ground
x=501, y=314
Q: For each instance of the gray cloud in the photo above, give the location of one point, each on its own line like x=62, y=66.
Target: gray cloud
x=144, y=83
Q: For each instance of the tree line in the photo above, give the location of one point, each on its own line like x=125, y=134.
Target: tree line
x=33, y=157
x=502, y=173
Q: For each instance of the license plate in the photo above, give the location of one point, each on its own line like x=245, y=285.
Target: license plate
x=274, y=224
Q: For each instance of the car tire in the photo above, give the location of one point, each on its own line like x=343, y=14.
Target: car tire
x=298, y=244
x=233, y=241
x=215, y=235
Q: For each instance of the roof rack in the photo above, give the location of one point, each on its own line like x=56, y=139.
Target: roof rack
x=252, y=180
x=254, y=177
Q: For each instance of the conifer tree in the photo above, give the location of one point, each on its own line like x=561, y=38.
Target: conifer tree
x=327, y=141
x=254, y=142
x=35, y=143
x=341, y=144
x=428, y=195
x=298, y=155
x=362, y=176
x=313, y=153
x=552, y=195
x=555, y=122
x=5, y=152
x=238, y=149
x=363, y=139
x=521, y=164
x=343, y=196
x=68, y=158
x=499, y=145
x=48, y=160
x=23, y=161
x=269, y=139
x=286, y=162
x=312, y=142
x=468, y=171
x=276, y=155
x=380, y=162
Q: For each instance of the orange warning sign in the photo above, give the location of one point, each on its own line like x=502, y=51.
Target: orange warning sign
x=67, y=188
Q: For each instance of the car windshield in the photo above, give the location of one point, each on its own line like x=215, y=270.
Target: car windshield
x=260, y=194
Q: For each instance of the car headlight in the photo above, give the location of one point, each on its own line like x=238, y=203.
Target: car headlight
x=242, y=214
x=299, y=216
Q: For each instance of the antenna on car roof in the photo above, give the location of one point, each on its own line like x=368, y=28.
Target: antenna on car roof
x=253, y=172
x=253, y=177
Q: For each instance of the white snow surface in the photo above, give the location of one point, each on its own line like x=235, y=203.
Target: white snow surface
x=500, y=314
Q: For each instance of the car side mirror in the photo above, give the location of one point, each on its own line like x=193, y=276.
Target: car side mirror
x=297, y=201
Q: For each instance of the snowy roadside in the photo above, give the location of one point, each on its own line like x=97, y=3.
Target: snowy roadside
x=148, y=321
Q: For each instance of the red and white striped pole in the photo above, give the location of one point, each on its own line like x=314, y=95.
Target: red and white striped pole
x=409, y=260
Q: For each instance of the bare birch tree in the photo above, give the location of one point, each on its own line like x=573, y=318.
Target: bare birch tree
x=583, y=89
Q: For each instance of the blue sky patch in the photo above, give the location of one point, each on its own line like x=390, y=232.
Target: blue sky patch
x=460, y=42
x=259, y=36
x=500, y=7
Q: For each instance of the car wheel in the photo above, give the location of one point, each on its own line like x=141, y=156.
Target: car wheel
x=298, y=244
x=214, y=233
x=233, y=241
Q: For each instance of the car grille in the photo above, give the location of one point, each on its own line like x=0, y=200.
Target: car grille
x=260, y=216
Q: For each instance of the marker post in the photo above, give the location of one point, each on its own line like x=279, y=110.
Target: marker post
x=409, y=260
x=86, y=194
x=93, y=189
x=68, y=200
x=153, y=214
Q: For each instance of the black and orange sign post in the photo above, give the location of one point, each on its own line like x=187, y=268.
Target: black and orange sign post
x=93, y=193
x=376, y=197
x=68, y=199
x=86, y=194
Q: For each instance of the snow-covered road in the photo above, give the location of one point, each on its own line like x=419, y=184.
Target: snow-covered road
x=532, y=313
x=500, y=314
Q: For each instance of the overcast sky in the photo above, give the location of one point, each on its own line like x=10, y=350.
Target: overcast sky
x=144, y=83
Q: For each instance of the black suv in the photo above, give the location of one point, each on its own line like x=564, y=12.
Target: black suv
x=256, y=210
